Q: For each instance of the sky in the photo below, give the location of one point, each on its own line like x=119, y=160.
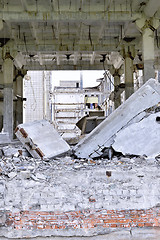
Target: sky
x=89, y=77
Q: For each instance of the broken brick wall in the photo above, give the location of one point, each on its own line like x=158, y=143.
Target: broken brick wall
x=79, y=198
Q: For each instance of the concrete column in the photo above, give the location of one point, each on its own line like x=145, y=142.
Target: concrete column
x=18, y=102
x=8, y=97
x=117, y=98
x=159, y=76
x=128, y=73
x=1, y=101
x=147, y=28
x=148, y=53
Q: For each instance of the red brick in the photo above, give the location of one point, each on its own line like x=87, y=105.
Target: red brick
x=148, y=224
x=140, y=224
x=113, y=225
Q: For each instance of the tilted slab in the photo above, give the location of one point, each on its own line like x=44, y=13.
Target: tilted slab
x=140, y=138
x=41, y=139
x=103, y=135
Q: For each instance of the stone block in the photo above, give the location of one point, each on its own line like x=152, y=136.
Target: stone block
x=41, y=139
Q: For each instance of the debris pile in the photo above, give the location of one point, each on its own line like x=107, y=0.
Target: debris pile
x=23, y=167
x=133, y=128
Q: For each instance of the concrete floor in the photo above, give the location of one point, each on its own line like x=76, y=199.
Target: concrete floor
x=136, y=234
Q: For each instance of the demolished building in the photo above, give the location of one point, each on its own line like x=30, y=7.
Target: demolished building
x=89, y=195
x=43, y=197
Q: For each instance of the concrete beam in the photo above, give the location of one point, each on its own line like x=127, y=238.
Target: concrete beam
x=34, y=32
x=1, y=24
x=24, y=5
x=101, y=31
x=55, y=46
x=136, y=5
x=151, y=8
x=68, y=16
x=64, y=65
x=13, y=32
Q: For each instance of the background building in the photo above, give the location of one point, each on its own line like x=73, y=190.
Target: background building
x=37, y=89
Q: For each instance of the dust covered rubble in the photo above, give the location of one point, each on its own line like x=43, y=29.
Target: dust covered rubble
x=21, y=167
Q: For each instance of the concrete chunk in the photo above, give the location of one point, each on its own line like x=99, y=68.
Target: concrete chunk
x=103, y=135
x=140, y=138
x=41, y=139
x=4, y=138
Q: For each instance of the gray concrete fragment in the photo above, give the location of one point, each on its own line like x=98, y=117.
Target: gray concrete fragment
x=41, y=139
x=103, y=135
x=11, y=175
x=25, y=174
x=4, y=138
x=40, y=176
x=10, y=151
x=140, y=138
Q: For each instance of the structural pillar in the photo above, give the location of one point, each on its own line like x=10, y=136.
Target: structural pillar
x=1, y=101
x=18, y=93
x=128, y=73
x=8, y=97
x=117, y=99
x=148, y=53
x=147, y=27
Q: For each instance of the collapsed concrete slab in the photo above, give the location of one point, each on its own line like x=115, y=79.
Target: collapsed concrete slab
x=140, y=138
x=41, y=139
x=132, y=109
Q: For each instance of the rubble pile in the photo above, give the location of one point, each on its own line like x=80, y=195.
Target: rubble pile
x=17, y=166
x=132, y=129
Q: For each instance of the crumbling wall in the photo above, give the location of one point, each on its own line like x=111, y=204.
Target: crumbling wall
x=66, y=197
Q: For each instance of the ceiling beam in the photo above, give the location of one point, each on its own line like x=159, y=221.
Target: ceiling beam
x=13, y=33
x=151, y=8
x=137, y=4
x=101, y=31
x=84, y=65
x=34, y=32
x=50, y=48
x=68, y=16
x=24, y=4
